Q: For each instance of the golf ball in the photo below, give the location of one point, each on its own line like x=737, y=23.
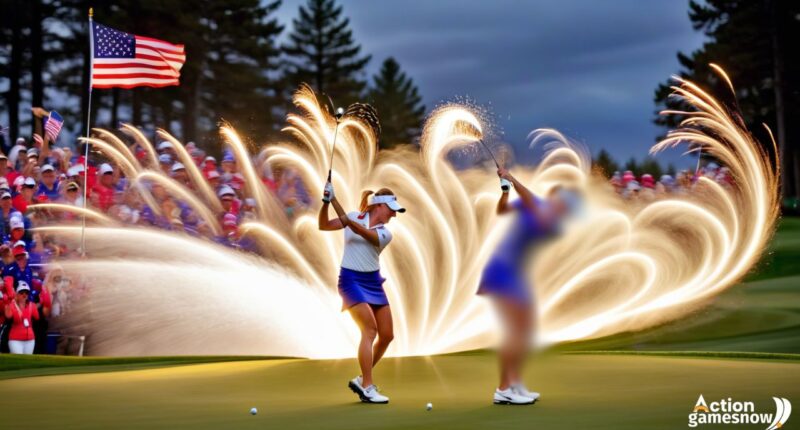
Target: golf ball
x=429, y=406
x=253, y=411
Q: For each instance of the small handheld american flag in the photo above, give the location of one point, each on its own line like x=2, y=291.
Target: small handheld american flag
x=127, y=60
x=52, y=125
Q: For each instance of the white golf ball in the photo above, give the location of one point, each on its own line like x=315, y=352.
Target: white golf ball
x=253, y=411
x=429, y=406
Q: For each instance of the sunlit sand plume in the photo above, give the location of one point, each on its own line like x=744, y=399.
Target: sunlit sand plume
x=619, y=267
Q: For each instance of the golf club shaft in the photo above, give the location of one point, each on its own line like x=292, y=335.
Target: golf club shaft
x=504, y=187
x=490, y=153
x=333, y=148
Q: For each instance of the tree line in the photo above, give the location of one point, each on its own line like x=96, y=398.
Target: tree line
x=236, y=68
x=751, y=40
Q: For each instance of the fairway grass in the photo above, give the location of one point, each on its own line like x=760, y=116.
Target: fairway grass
x=745, y=344
x=578, y=392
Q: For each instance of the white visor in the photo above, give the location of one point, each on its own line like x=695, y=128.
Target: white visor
x=390, y=201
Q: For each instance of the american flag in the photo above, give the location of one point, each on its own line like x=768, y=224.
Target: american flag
x=52, y=125
x=126, y=60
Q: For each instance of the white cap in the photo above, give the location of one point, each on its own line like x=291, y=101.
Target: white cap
x=164, y=145
x=250, y=201
x=106, y=168
x=178, y=166
x=390, y=201
x=210, y=158
x=23, y=286
x=212, y=174
x=226, y=190
x=5, y=195
x=33, y=151
x=20, y=141
x=16, y=223
x=47, y=168
x=73, y=171
x=19, y=243
x=30, y=182
x=165, y=158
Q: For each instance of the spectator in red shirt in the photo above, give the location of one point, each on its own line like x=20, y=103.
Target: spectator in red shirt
x=230, y=204
x=103, y=195
x=25, y=197
x=5, y=169
x=209, y=164
x=21, y=312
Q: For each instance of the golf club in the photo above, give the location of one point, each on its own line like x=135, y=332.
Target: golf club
x=504, y=187
x=338, y=115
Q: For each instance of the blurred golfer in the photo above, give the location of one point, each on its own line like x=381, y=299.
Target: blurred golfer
x=504, y=279
x=360, y=280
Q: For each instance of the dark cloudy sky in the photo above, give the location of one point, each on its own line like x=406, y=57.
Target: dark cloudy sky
x=587, y=68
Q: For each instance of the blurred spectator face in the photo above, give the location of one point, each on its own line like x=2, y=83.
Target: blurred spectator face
x=17, y=233
x=27, y=192
x=33, y=159
x=22, y=296
x=180, y=175
x=227, y=202
x=21, y=258
x=5, y=203
x=3, y=164
x=72, y=191
x=159, y=193
x=229, y=166
x=107, y=179
x=49, y=178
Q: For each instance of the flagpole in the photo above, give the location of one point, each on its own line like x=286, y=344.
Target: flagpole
x=88, y=120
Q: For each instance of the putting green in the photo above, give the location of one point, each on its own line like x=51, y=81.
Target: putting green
x=578, y=391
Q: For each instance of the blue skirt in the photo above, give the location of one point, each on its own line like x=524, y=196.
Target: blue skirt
x=361, y=287
x=505, y=280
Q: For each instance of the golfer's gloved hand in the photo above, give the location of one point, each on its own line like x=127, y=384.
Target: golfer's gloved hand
x=327, y=193
x=505, y=185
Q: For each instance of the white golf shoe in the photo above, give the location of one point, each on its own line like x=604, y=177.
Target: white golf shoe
x=355, y=386
x=521, y=390
x=371, y=395
x=509, y=397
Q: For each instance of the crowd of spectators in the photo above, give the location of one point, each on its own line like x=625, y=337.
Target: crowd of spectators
x=35, y=289
x=647, y=188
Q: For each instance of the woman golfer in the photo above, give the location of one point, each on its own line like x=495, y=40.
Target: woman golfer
x=360, y=280
x=503, y=278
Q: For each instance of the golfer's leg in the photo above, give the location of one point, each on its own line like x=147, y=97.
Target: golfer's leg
x=383, y=317
x=363, y=316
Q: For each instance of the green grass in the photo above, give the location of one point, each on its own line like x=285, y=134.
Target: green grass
x=759, y=315
x=579, y=392
x=745, y=345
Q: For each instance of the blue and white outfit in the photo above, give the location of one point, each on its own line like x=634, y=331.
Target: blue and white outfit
x=360, y=279
x=504, y=275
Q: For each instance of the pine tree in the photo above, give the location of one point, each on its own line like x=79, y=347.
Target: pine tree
x=605, y=163
x=322, y=53
x=398, y=103
x=749, y=39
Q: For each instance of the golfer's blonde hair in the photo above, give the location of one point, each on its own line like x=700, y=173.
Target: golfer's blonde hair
x=364, y=206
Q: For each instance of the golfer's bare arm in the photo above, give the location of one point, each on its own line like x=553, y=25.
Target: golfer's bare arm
x=502, y=204
x=327, y=224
